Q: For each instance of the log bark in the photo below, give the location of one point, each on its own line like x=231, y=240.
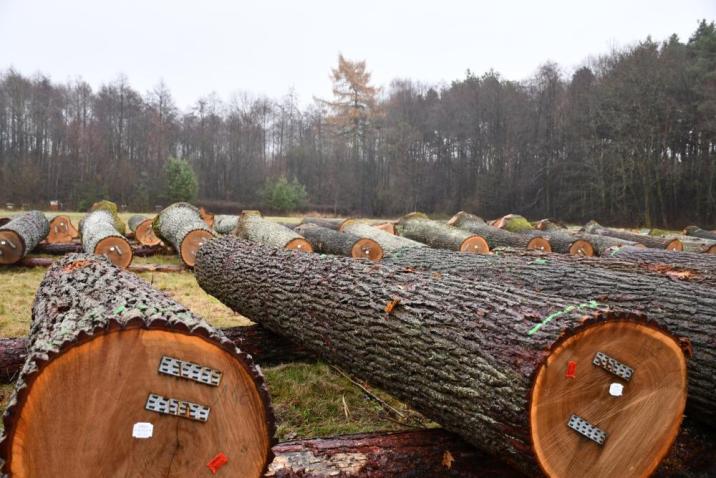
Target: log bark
x=62, y=230
x=70, y=247
x=329, y=241
x=698, y=232
x=649, y=241
x=334, y=223
x=687, y=310
x=433, y=453
x=143, y=231
x=496, y=237
x=97, y=336
x=419, y=227
x=224, y=224
x=100, y=236
x=21, y=235
x=253, y=227
x=468, y=354
x=695, y=244
x=387, y=241
x=687, y=266
x=181, y=226
x=548, y=225
x=47, y=262
x=602, y=245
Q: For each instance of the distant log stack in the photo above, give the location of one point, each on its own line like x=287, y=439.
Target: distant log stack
x=253, y=227
x=687, y=310
x=593, y=227
x=484, y=360
x=496, y=237
x=137, y=378
x=698, y=232
x=329, y=241
x=419, y=227
x=20, y=236
x=328, y=222
x=386, y=240
x=100, y=231
x=560, y=240
x=698, y=245
x=143, y=231
x=600, y=245
x=224, y=224
x=62, y=230
x=181, y=226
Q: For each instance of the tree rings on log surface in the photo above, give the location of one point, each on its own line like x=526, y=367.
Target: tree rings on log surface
x=84, y=415
x=62, y=230
x=675, y=245
x=191, y=243
x=145, y=234
x=580, y=247
x=116, y=249
x=640, y=416
x=299, y=244
x=12, y=247
x=367, y=249
x=475, y=244
x=539, y=244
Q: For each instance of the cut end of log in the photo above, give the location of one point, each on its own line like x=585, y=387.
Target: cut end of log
x=367, y=249
x=116, y=249
x=299, y=244
x=641, y=413
x=675, y=245
x=145, y=234
x=475, y=244
x=539, y=244
x=12, y=247
x=62, y=230
x=93, y=399
x=191, y=244
x=580, y=247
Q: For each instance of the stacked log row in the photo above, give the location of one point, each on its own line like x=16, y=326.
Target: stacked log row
x=560, y=240
x=387, y=241
x=688, y=310
x=328, y=222
x=483, y=359
x=698, y=232
x=419, y=227
x=496, y=237
x=253, y=227
x=329, y=241
x=62, y=230
x=600, y=245
x=181, y=226
x=695, y=244
x=20, y=236
x=96, y=396
x=100, y=235
x=593, y=227
x=143, y=231
x=224, y=224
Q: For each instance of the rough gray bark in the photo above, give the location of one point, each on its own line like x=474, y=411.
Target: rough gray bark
x=328, y=222
x=253, y=227
x=387, y=241
x=419, y=227
x=366, y=318
x=688, y=266
x=329, y=241
x=225, y=224
x=495, y=237
x=31, y=227
x=176, y=222
x=593, y=227
x=96, y=226
x=687, y=310
x=698, y=232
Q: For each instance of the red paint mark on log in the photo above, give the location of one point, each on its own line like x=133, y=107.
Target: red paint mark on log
x=571, y=369
x=217, y=462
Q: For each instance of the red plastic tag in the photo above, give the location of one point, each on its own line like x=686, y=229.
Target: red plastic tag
x=217, y=462
x=571, y=369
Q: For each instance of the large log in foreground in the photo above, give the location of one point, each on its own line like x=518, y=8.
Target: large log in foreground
x=387, y=241
x=181, y=226
x=689, y=266
x=419, y=227
x=496, y=237
x=100, y=235
x=329, y=241
x=484, y=360
x=62, y=230
x=143, y=231
x=20, y=236
x=687, y=310
x=592, y=227
x=253, y=227
x=120, y=380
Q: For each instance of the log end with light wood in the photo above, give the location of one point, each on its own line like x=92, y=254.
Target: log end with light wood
x=191, y=244
x=180, y=225
x=330, y=241
x=496, y=237
x=116, y=249
x=100, y=236
x=62, y=230
x=254, y=227
x=419, y=227
x=12, y=247
x=21, y=235
x=143, y=230
x=580, y=247
x=539, y=244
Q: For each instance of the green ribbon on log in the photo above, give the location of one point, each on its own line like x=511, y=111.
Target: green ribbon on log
x=592, y=304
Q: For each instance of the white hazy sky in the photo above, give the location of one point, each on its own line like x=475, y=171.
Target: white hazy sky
x=269, y=46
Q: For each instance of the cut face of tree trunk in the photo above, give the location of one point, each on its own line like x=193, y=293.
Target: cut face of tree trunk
x=484, y=360
x=419, y=227
x=563, y=242
x=20, y=236
x=695, y=244
x=387, y=241
x=152, y=389
x=329, y=241
x=225, y=224
x=649, y=241
x=143, y=231
x=62, y=230
x=498, y=237
x=99, y=236
x=602, y=245
x=181, y=226
x=253, y=227
x=698, y=232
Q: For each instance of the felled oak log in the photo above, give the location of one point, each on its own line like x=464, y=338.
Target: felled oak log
x=143, y=231
x=62, y=230
x=101, y=236
x=592, y=227
x=698, y=232
x=419, y=227
x=20, y=236
x=387, y=241
x=224, y=224
x=181, y=226
x=496, y=237
x=253, y=227
x=329, y=241
x=469, y=354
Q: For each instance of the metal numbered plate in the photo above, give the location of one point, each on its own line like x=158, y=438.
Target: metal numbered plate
x=178, y=408
x=190, y=371
x=613, y=366
x=583, y=427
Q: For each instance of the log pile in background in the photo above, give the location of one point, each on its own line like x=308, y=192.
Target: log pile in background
x=592, y=227
x=20, y=236
x=181, y=226
x=329, y=241
x=601, y=245
x=560, y=240
x=97, y=337
x=418, y=227
x=328, y=222
x=387, y=241
x=469, y=354
x=62, y=230
x=224, y=224
x=253, y=227
x=696, y=231
x=103, y=234
x=143, y=231
x=496, y=237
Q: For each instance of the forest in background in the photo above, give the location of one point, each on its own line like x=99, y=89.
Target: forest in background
x=629, y=139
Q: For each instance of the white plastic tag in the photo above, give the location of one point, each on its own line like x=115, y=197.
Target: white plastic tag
x=616, y=389
x=142, y=430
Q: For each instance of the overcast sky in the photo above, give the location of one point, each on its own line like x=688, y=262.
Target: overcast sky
x=268, y=46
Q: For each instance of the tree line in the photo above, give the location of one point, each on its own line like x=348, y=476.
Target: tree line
x=629, y=138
